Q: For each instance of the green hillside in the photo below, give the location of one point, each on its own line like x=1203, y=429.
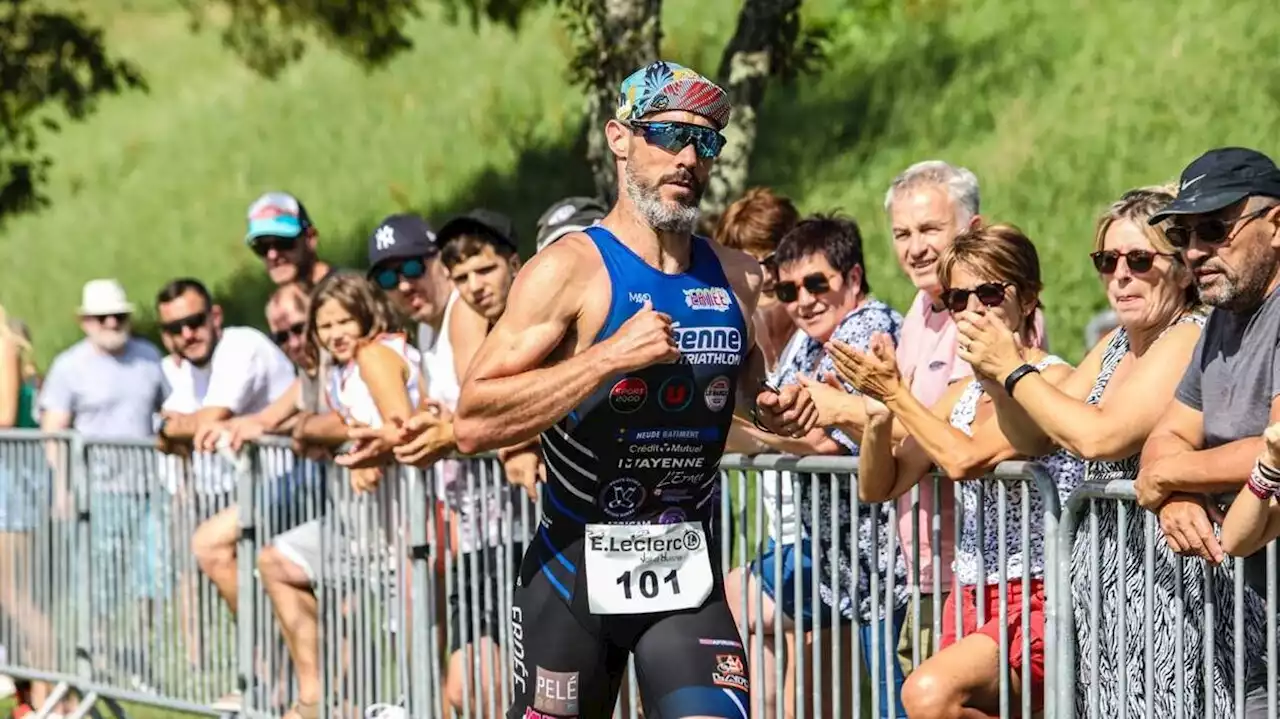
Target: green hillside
x=1058, y=105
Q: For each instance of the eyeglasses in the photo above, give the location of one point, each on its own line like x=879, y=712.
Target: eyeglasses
x=264, y=245
x=294, y=330
x=190, y=322
x=388, y=276
x=1139, y=261
x=1209, y=231
x=990, y=294
x=675, y=136
x=789, y=292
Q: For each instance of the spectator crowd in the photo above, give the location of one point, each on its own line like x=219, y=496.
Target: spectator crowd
x=362, y=367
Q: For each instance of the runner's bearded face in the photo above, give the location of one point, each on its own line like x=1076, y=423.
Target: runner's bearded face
x=665, y=178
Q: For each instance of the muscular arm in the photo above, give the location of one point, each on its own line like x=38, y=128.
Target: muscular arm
x=1173, y=458
x=508, y=396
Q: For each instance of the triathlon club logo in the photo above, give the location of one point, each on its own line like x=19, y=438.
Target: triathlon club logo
x=717, y=393
x=622, y=497
x=628, y=395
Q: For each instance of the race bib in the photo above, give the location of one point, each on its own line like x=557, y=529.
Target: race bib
x=647, y=568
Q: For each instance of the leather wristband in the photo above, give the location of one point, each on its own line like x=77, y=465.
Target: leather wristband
x=1264, y=481
x=1016, y=375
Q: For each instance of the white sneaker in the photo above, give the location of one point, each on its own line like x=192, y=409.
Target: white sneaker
x=6, y=687
x=385, y=711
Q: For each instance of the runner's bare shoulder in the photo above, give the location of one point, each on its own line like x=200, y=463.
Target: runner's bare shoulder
x=743, y=272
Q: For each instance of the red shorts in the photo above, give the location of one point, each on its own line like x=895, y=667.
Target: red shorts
x=991, y=605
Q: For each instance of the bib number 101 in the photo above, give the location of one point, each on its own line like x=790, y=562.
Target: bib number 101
x=647, y=583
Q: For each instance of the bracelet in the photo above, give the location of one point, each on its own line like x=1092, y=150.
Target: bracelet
x=1016, y=375
x=1264, y=481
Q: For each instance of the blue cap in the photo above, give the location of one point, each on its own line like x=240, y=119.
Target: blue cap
x=276, y=214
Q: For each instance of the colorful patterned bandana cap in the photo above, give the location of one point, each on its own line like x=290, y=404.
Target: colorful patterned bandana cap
x=663, y=86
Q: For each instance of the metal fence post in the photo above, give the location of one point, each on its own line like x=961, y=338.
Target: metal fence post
x=419, y=597
x=247, y=465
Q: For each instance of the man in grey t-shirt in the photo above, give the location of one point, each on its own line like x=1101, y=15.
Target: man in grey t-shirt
x=1226, y=223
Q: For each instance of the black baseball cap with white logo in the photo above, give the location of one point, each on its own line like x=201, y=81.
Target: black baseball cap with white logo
x=572, y=214
x=496, y=224
x=401, y=237
x=1220, y=178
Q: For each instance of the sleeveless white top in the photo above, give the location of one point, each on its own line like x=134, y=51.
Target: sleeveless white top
x=982, y=496
x=437, y=359
x=349, y=395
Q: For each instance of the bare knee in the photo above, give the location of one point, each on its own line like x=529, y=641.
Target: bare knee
x=214, y=541
x=927, y=695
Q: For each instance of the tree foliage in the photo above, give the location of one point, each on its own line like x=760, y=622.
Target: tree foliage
x=611, y=38
x=53, y=65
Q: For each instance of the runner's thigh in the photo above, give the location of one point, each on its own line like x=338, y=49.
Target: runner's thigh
x=692, y=664
x=560, y=667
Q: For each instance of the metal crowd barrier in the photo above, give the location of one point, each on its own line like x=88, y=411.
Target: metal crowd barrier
x=412, y=590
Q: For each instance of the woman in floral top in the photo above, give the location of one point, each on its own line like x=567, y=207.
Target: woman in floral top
x=989, y=275
x=822, y=284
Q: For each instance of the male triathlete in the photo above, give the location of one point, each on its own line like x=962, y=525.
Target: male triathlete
x=624, y=345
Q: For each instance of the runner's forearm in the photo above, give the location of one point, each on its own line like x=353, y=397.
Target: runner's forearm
x=503, y=411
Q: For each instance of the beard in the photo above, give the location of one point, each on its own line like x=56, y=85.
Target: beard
x=109, y=340
x=1238, y=291
x=680, y=216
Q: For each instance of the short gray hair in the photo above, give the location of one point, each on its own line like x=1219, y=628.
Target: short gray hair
x=960, y=183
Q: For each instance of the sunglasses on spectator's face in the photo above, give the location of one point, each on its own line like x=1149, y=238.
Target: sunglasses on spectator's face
x=388, y=276
x=1208, y=231
x=1139, y=261
x=120, y=318
x=294, y=330
x=788, y=291
x=675, y=136
x=190, y=322
x=264, y=245
x=990, y=294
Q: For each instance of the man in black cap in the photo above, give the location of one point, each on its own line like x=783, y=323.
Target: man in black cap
x=1226, y=225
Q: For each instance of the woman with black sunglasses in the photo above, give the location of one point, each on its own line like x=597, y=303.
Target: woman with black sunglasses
x=1103, y=412
x=989, y=275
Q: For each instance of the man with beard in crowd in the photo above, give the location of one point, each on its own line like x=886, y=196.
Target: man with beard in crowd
x=281, y=233
x=622, y=346
x=110, y=386
x=216, y=373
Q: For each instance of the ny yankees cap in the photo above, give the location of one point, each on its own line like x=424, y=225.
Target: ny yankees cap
x=400, y=237
x=1220, y=178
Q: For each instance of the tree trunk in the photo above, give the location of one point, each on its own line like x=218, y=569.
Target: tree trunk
x=618, y=37
x=767, y=30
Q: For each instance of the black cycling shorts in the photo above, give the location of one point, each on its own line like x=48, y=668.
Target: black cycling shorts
x=567, y=662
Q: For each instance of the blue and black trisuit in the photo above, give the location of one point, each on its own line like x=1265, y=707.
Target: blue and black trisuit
x=626, y=557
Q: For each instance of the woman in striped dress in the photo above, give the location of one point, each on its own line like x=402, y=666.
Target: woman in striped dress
x=1103, y=412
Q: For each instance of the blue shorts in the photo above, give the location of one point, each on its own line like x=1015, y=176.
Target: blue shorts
x=797, y=565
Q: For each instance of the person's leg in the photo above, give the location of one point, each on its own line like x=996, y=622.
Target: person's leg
x=473, y=651
x=963, y=680
x=17, y=602
x=214, y=545
x=691, y=665
x=288, y=568
x=761, y=657
x=890, y=678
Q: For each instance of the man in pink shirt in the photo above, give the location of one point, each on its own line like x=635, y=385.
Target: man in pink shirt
x=929, y=204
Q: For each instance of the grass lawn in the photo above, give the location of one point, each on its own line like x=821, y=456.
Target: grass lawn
x=1058, y=106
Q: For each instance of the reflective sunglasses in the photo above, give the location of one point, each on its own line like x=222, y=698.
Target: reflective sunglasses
x=264, y=245
x=788, y=292
x=675, y=136
x=990, y=294
x=1139, y=261
x=190, y=322
x=388, y=276
x=294, y=330
x=1209, y=231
